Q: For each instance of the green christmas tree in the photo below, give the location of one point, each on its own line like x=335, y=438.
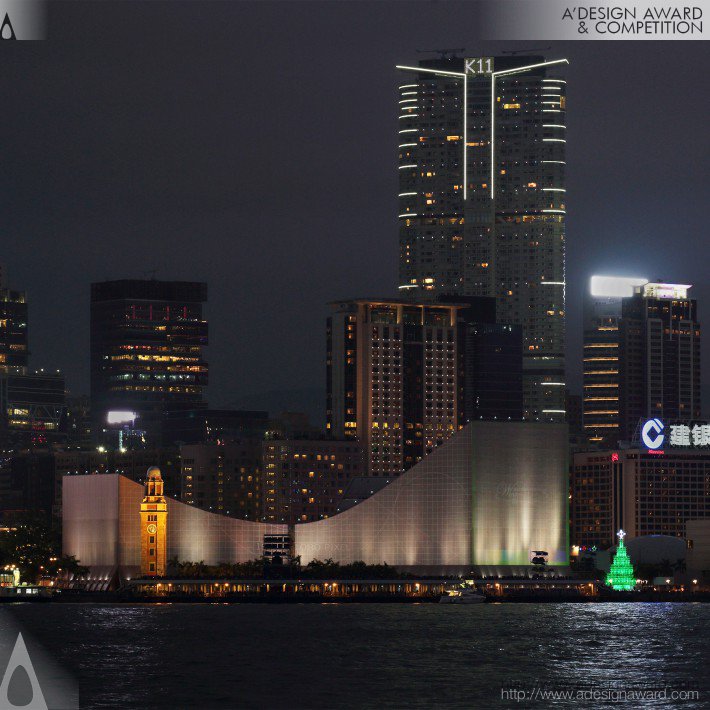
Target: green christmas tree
x=621, y=576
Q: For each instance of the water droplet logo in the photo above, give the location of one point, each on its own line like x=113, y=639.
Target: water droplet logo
x=20, y=687
x=6, y=29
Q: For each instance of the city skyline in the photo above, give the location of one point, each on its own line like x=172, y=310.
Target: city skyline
x=195, y=223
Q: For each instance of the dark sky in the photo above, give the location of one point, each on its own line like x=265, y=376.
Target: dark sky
x=253, y=146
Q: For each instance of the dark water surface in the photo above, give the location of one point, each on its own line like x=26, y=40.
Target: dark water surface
x=371, y=655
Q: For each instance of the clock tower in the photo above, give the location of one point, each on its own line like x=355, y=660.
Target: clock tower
x=154, y=526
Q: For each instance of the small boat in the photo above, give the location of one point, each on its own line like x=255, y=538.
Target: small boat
x=465, y=595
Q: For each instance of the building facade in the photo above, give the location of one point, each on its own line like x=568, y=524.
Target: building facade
x=393, y=370
x=147, y=340
x=482, y=199
x=659, y=356
x=194, y=426
x=639, y=490
x=14, y=350
x=224, y=477
x=602, y=314
x=31, y=403
x=490, y=499
x=33, y=406
x=305, y=479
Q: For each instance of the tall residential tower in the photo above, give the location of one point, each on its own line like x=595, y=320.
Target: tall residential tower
x=482, y=200
x=393, y=379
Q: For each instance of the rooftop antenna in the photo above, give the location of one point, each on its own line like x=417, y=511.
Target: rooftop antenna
x=513, y=52
x=443, y=53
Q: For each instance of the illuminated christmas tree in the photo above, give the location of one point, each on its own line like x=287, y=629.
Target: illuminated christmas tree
x=621, y=576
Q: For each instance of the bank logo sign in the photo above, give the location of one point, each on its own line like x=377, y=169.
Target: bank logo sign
x=683, y=435
x=652, y=434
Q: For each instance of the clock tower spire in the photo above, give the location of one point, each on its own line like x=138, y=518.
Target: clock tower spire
x=154, y=526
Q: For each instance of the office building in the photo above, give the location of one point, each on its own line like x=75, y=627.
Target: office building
x=482, y=199
x=393, y=379
x=659, y=356
x=147, y=359
x=14, y=352
x=76, y=424
x=224, y=477
x=305, y=479
x=32, y=405
x=602, y=313
x=194, y=426
x=640, y=490
x=491, y=360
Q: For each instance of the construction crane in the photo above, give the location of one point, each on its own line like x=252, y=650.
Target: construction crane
x=513, y=52
x=443, y=53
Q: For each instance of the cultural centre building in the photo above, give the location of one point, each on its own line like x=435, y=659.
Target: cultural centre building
x=489, y=499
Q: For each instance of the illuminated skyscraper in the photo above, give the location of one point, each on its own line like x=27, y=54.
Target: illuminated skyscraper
x=31, y=403
x=147, y=340
x=602, y=312
x=659, y=356
x=13, y=331
x=482, y=200
x=394, y=379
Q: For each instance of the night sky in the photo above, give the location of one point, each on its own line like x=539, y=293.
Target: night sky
x=254, y=146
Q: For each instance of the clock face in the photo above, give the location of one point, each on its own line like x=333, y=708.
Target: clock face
x=152, y=528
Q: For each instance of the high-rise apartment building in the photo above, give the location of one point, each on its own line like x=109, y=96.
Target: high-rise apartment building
x=659, y=356
x=393, y=379
x=147, y=341
x=224, y=477
x=602, y=313
x=304, y=480
x=14, y=352
x=31, y=403
x=482, y=199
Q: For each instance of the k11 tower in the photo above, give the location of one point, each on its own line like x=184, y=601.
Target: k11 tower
x=482, y=200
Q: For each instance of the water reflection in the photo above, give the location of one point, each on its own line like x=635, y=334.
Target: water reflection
x=360, y=655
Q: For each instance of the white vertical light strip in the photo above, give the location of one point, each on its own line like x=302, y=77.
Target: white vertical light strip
x=465, y=138
x=493, y=133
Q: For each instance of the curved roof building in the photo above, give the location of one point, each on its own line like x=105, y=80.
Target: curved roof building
x=489, y=497
x=492, y=497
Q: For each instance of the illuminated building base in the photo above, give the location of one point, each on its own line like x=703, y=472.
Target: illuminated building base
x=493, y=497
